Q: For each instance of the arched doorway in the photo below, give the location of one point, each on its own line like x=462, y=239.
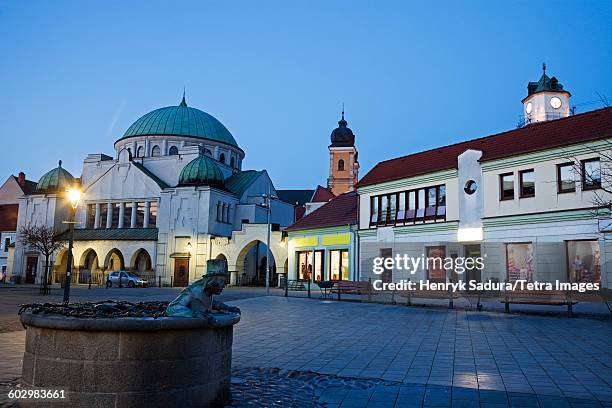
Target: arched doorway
x=251, y=265
x=114, y=261
x=141, y=263
x=89, y=268
x=59, y=268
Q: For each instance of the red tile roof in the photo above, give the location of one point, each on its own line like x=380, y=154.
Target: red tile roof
x=342, y=210
x=322, y=195
x=8, y=217
x=584, y=127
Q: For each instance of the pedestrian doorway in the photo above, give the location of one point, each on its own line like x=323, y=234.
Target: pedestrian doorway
x=31, y=267
x=181, y=272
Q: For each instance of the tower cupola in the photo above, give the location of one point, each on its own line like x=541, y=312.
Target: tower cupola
x=546, y=100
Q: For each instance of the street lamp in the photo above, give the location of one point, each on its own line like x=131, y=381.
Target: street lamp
x=74, y=196
x=267, y=198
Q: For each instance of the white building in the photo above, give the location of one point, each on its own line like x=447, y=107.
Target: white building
x=527, y=199
x=172, y=196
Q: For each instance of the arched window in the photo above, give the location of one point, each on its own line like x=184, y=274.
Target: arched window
x=232, y=162
x=173, y=151
x=140, y=152
x=207, y=152
x=156, y=151
x=218, y=211
x=222, y=158
x=340, y=165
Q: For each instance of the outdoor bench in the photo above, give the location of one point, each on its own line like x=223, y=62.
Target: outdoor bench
x=538, y=297
x=352, y=287
x=295, y=285
x=429, y=294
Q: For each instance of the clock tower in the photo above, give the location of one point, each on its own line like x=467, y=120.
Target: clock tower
x=546, y=100
x=343, y=163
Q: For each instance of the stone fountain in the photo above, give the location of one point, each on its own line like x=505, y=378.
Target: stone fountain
x=124, y=354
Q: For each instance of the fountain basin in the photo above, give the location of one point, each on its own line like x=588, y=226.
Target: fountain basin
x=130, y=361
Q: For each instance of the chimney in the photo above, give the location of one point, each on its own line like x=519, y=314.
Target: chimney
x=21, y=178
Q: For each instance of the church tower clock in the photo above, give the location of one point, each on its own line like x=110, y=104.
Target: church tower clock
x=546, y=100
x=343, y=163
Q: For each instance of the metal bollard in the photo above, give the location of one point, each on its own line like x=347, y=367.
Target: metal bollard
x=450, y=298
x=370, y=290
x=159, y=280
x=309, y=288
x=89, y=283
x=286, y=285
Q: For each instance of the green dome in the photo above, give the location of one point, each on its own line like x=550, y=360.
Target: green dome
x=181, y=120
x=202, y=171
x=57, y=179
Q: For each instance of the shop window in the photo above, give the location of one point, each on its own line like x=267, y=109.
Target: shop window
x=304, y=265
x=566, y=178
x=318, y=275
x=527, y=183
x=584, y=261
x=435, y=264
x=506, y=184
x=591, y=174
x=387, y=275
x=519, y=261
x=338, y=264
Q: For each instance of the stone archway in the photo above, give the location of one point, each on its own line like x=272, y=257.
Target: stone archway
x=251, y=265
x=59, y=267
x=114, y=261
x=141, y=263
x=89, y=268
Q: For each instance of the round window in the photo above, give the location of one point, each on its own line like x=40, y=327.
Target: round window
x=470, y=187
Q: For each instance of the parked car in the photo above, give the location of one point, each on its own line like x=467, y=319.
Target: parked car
x=128, y=279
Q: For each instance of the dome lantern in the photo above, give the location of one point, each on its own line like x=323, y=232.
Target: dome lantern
x=201, y=171
x=55, y=180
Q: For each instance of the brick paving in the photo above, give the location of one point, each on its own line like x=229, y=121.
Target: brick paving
x=413, y=356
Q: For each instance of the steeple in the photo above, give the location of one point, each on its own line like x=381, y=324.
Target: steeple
x=344, y=167
x=183, y=102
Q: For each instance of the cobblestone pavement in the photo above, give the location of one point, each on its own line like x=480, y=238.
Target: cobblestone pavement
x=302, y=351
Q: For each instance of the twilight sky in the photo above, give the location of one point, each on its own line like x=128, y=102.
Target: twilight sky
x=75, y=75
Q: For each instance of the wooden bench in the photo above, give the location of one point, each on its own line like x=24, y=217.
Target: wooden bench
x=538, y=297
x=352, y=287
x=429, y=294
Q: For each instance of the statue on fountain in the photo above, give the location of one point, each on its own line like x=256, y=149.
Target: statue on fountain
x=197, y=300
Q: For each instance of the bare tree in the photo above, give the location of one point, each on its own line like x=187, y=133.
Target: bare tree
x=44, y=240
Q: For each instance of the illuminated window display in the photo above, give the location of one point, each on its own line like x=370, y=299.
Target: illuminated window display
x=519, y=261
x=584, y=264
x=435, y=269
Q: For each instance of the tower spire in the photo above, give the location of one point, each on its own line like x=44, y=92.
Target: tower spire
x=183, y=102
x=544, y=68
x=342, y=110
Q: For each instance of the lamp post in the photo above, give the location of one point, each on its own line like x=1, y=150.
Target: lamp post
x=74, y=196
x=267, y=199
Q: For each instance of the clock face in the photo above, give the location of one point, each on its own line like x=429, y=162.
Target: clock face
x=555, y=102
x=528, y=108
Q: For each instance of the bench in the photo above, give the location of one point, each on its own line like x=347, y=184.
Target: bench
x=538, y=297
x=429, y=294
x=295, y=285
x=352, y=287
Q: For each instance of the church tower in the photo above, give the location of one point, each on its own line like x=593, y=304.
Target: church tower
x=343, y=164
x=545, y=100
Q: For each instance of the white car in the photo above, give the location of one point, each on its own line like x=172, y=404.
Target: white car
x=127, y=279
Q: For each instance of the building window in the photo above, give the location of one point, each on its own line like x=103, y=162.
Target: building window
x=232, y=162
x=115, y=216
x=566, y=178
x=408, y=206
x=91, y=216
x=340, y=165
x=591, y=174
x=319, y=270
x=229, y=208
x=127, y=215
x=152, y=214
x=140, y=152
x=338, y=264
x=207, y=152
x=527, y=183
x=506, y=184
x=173, y=151
x=519, y=261
x=304, y=265
x=102, y=216
x=373, y=210
x=219, y=211
x=584, y=261
x=7, y=244
x=140, y=214
x=222, y=158
x=435, y=264
x=156, y=151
